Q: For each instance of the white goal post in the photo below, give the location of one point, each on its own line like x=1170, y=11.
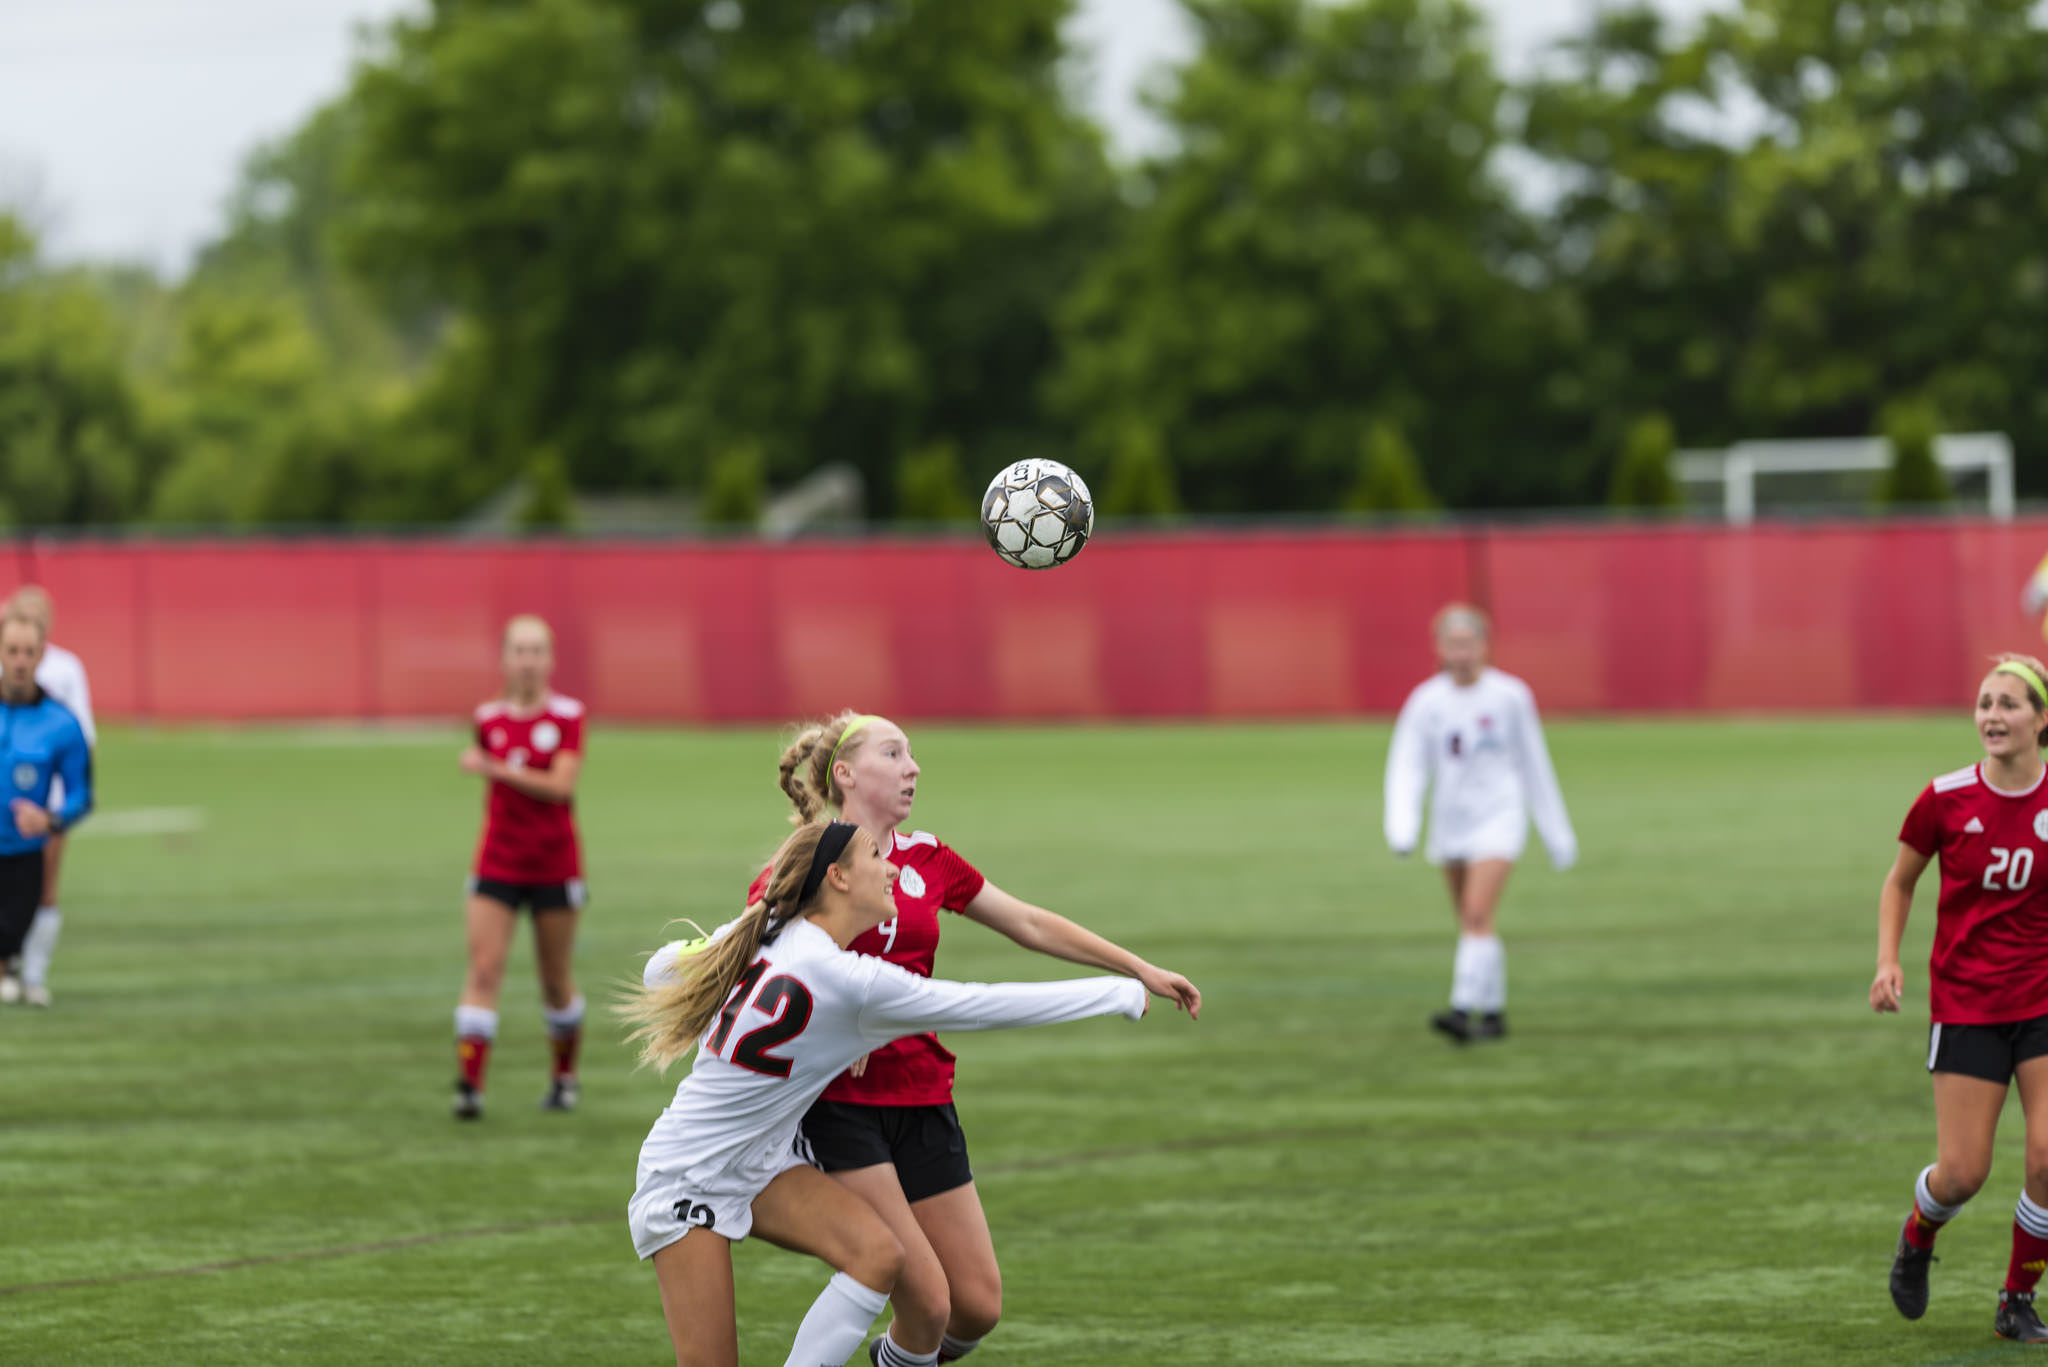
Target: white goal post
x=1737, y=468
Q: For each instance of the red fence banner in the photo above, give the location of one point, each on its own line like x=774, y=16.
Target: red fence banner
x=1630, y=618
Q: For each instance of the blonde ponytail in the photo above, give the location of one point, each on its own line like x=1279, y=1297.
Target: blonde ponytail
x=807, y=766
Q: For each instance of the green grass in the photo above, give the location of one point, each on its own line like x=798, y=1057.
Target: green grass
x=1696, y=1147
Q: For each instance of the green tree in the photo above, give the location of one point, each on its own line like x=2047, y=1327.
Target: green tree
x=550, y=496
x=736, y=487
x=1323, y=243
x=1140, y=482
x=826, y=226
x=1642, y=476
x=929, y=486
x=1914, y=477
x=74, y=446
x=1389, y=478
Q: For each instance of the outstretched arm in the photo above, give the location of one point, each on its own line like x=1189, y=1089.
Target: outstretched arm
x=1047, y=932
x=899, y=1002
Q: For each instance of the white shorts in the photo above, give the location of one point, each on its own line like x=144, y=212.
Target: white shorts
x=667, y=1205
x=1502, y=835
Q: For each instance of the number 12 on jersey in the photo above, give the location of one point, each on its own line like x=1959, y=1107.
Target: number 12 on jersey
x=2017, y=866
x=782, y=997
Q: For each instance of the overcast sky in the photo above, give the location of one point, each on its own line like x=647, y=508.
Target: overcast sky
x=123, y=123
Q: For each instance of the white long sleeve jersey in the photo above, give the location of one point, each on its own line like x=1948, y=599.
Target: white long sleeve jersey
x=62, y=675
x=1478, y=753
x=804, y=1011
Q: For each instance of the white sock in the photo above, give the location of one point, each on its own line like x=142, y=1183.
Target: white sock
x=2031, y=1217
x=565, y=1020
x=952, y=1349
x=474, y=1021
x=40, y=945
x=1468, y=984
x=889, y=1353
x=836, y=1325
x=1493, y=972
x=1931, y=1208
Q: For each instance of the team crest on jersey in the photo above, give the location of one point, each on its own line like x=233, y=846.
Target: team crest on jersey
x=2041, y=824
x=497, y=737
x=912, y=882
x=546, y=736
x=24, y=776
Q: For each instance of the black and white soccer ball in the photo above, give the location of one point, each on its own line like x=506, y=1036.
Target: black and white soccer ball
x=1037, y=514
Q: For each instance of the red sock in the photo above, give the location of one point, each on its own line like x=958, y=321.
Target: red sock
x=565, y=1045
x=1920, y=1230
x=2029, y=1258
x=473, y=1052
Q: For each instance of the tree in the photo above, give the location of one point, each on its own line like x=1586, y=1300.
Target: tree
x=736, y=488
x=74, y=447
x=550, y=497
x=1910, y=425
x=1643, y=477
x=1140, y=480
x=1389, y=479
x=826, y=226
x=929, y=486
x=1324, y=243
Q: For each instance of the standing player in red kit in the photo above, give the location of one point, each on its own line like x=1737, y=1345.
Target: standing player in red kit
x=1987, y=982
x=886, y=1128
x=529, y=745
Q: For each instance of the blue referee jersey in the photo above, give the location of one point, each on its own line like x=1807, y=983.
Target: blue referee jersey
x=39, y=741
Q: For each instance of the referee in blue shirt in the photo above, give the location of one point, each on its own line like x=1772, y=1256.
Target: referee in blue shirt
x=39, y=739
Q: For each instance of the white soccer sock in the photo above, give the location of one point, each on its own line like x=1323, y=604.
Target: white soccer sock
x=836, y=1325
x=952, y=1349
x=1468, y=983
x=40, y=945
x=1931, y=1208
x=889, y=1353
x=1493, y=972
x=475, y=1021
x=565, y=1020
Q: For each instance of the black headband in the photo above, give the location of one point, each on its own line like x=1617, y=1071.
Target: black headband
x=831, y=845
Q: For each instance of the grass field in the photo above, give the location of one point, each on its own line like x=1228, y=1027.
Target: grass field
x=229, y=1141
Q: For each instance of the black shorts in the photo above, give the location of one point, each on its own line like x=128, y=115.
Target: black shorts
x=923, y=1143
x=538, y=897
x=21, y=892
x=1991, y=1052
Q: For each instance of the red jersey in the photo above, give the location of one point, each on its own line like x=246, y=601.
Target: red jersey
x=1990, y=960
x=916, y=1070
x=527, y=840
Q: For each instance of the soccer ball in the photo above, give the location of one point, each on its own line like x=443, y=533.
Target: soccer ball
x=1037, y=514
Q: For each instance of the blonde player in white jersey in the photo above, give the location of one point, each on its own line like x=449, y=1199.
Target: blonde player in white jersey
x=1471, y=735
x=776, y=1008
x=62, y=676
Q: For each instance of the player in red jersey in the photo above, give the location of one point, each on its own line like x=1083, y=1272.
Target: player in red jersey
x=887, y=1128
x=1987, y=982
x=529, y=745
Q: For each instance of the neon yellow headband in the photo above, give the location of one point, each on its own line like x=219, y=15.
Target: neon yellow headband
x=856, y=724
x=2026, y=676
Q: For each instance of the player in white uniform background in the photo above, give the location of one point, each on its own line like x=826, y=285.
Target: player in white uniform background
x=775, y=1008
x=62, y=676
x=1470, y=739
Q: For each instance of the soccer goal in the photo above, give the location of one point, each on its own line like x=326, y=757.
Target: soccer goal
x=1837, y=475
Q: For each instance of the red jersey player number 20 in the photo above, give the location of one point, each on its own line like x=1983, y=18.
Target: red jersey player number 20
x=1990, y=960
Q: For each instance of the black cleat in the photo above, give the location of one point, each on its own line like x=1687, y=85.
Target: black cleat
x=2017, y=1320
x=1454, y=1023
x=875, y=1352
x=469, y=1102
x=1909, y=1276
x=562, y=1095
x=1492, y=1025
